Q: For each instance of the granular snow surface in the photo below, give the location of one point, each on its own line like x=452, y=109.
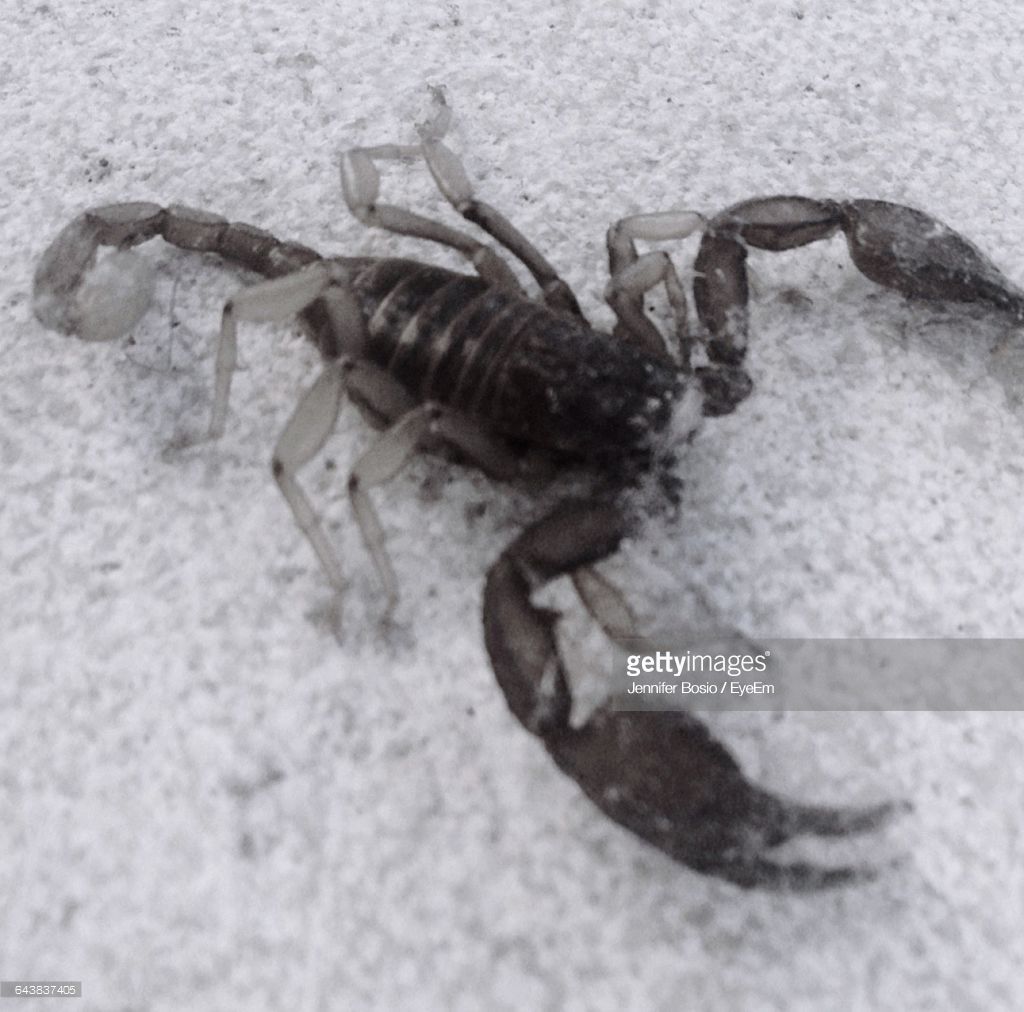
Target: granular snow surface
x=210, y=803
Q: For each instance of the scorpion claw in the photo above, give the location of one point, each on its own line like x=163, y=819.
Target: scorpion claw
x=663, y=776
x=659, y=774
x=799, y=876
x=895, y=246
x=824, y=820
x=915, y=254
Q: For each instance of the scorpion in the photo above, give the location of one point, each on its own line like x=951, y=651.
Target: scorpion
x=517, y=386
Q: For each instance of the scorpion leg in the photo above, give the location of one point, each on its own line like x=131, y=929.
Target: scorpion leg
x=277, y=301
x=360, y=183
x=268, y=301
x=631, y=275
x=380, y=398
x=315, y=417
x=373, y=391
x=452, y=181
x=302, y=439
x=659, y=774
x=425, y=426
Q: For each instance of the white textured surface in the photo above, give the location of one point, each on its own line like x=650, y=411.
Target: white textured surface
x=208, y=802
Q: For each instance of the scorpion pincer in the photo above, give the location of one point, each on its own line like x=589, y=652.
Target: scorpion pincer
x=470, y=363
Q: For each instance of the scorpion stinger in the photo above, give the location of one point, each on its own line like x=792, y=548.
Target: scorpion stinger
x=469, y=363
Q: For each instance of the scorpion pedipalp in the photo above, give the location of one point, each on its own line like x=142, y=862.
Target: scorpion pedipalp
x=917, y=255
x=895, y=246
x=660, y=774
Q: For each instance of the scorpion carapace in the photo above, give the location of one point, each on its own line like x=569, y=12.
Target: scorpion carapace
x=470, y=363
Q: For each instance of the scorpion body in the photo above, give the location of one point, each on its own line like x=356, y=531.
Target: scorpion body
x=469, y=363
x=495, y=355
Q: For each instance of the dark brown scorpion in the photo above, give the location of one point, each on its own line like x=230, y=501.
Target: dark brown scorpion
x=470, y=363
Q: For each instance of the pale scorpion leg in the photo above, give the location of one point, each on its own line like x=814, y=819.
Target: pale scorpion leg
x=427, y=425
x=303, y=437
x=361, y=185
x=660, y=774
x=276, y=301
x=372, y=390
x=605, y=603
x=632, y=275
x=452, y=181
x=280, y=300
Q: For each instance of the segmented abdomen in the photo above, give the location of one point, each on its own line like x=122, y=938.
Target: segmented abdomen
x=441, y=334
x=530, y=372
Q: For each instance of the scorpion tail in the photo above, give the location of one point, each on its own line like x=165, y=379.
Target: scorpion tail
x=659, y=774
x=74, y=294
